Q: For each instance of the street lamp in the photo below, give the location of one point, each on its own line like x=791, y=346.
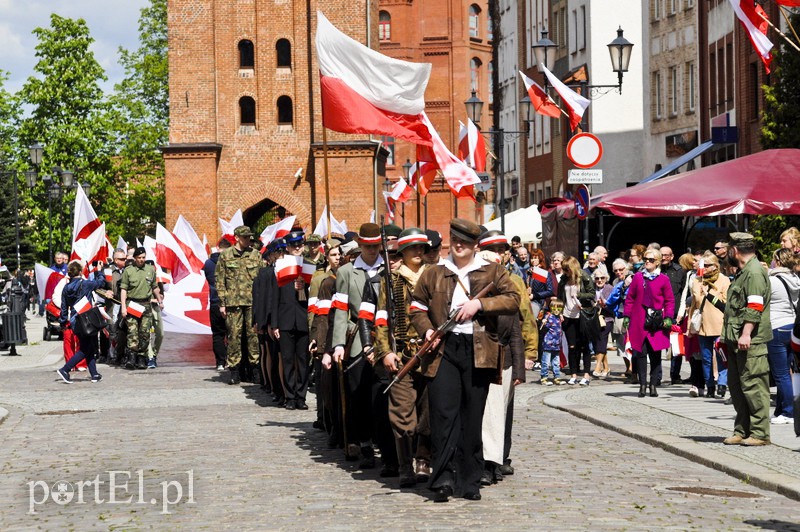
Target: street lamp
x=474, y=107
x=620, y=50
x=35, y=155
x=545, y=53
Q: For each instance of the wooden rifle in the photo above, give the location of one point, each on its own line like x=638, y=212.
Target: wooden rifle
x=387, y=276
x=428, y=346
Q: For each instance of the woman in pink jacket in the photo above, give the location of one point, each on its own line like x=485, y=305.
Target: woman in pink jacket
x=650, y=292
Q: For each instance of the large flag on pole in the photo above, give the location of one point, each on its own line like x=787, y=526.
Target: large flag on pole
x=364, y=91
x=471, y=146
x=458, y=175
x=754, y=20
x=540, y=101
x=322, y=225
x=190, y=243
x=170, y=255
x=277, y=230
x=576, y=104
x=85, y=221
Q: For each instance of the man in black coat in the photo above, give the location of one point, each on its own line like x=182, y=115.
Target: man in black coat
x=677, y=278
x=289, y=326
x=265, y=288
x=218, y=328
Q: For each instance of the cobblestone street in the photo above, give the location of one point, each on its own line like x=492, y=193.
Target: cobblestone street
x=250, y=465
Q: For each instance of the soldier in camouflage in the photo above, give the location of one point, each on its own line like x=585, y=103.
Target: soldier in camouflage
x=137, y=287
x=236, y=270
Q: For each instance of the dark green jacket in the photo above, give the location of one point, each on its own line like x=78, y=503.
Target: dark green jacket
x=748, y=301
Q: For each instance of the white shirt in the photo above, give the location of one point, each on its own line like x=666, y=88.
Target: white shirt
x=372, y=270
x=459, y=295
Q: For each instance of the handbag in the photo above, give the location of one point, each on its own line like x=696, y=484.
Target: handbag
x=696, y=321
x=89, y=323
x=653, y=320
x=588, y=322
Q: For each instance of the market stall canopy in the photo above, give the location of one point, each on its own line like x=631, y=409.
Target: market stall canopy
x=524, y=223
x=763, y=183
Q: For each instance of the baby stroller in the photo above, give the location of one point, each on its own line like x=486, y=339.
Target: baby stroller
x=52, y=328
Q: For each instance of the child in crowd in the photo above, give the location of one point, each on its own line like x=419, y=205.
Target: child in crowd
x=551, y=346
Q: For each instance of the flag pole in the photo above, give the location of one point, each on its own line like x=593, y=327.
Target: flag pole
x=419, y=207
x=788, y=22
x=779, y=32
x=325, y=167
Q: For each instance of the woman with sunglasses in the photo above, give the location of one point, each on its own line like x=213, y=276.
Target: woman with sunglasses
x=648, y=307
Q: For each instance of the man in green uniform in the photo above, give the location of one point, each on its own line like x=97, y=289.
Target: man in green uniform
x=137, y=287
x=236, y=270
x=746, y=330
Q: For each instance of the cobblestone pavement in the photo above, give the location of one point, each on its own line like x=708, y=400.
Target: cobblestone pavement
x=257, y=467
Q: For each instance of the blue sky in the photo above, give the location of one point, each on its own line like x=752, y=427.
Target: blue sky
x=112, y=23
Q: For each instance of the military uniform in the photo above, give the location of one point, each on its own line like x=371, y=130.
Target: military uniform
x=139, y=284
x=235, y=273
x=748, y=370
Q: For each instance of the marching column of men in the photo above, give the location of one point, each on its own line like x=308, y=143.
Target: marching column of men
x=376, y=301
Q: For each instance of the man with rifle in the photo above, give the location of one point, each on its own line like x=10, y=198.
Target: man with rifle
x=466, y=360
x=351, y=280
x=396, y=346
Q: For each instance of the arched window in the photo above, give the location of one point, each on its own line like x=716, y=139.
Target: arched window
x=283, y=50
x=247, y=111
x=384, y=26
x=285, y=111
x=246, y=54
x=474, y=24
x=475, y=74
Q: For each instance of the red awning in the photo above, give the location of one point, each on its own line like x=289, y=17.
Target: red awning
x=763, y=183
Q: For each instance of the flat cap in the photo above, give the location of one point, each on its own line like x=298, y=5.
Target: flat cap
x=296, y=235
x=464, y=229
x=348, y=247
x=740, y=238
x=242, y=230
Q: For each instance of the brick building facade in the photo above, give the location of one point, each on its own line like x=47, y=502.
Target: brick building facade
x=245, y=120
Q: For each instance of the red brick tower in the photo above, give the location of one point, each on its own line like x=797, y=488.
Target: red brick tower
x=245, y=115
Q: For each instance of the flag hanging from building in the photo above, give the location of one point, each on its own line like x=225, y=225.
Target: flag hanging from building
x=754, y=20
x=364, y=91
x=540, y=101
x=576, y=104
x=471, y=146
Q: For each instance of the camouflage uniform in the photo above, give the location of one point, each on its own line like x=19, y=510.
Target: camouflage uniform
x=235, y=273
x=748, y=370
x=139, y=284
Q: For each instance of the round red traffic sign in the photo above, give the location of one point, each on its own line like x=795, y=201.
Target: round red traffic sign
x=585, y=150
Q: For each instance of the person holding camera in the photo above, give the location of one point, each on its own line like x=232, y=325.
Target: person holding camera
x=649, y=307
x=76, y=291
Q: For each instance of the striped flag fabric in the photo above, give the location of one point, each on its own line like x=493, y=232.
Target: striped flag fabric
x=754, y=21
x=540, y=101
x=340, y=301
x=82, y=305
x=135, y=309
x=540, y=274
x=288, y=268
x=576, y=104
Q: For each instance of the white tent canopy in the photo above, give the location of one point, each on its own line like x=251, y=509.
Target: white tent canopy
x=525, y=223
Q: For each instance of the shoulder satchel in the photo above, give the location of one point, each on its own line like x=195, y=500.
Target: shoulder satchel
x=90, y=322
x=696, y=320
x=653, y=318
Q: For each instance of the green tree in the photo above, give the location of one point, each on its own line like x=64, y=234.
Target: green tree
x=69, y=115
x=10, y=171
x=780, y=129
x=141, y=124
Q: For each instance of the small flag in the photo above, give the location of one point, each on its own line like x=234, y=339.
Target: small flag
x=287, y=269
x=83, y=305
x=307, y=271
x=135, y=309
x=576, y=104
x=540, y=274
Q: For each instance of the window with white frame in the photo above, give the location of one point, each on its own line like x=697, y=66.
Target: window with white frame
x=384, y=26
x=691, y=83
x=658, y=104
x=474, y=20
x=673, y=91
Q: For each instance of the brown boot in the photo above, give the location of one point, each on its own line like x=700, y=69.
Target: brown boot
x=423, y=470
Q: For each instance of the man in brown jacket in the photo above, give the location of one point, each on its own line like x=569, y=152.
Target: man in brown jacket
x=466, y=361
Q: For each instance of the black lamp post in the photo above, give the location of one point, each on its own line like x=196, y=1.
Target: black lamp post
x=35, y=151
x=620, y=50
x=407, y=174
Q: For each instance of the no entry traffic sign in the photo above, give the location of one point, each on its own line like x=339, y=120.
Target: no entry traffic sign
x=585, y=150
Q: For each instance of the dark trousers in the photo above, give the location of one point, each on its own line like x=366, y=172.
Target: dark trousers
x=381, y=427
x=218, y=333
x=358, y=381
x=457, y=396
x=294, y=354
x=675, y=368
x=273, y=365
x=578, y=346
x=655, y=363
x=87, y=350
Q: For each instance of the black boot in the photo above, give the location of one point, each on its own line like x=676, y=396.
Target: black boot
x=367, y=457
x=130, y=362
x=406, y=468
x=233, y=378
x=721, y=390
x=711, y=391
x=653, y=391
x=141, y=361
x=642, y=390
x=256, y=373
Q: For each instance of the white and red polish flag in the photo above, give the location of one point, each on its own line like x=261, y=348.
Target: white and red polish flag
x=422, y=174
x=82, y=305
x=401, y=192
x=389, y=203
x=170, y=255
x=85, y=222
x=307, y=271
x=288, y=268
x=460, y=177
x=322, y=225
x=46, y=280
x=90, y=249
x=364, y=91
x=277, y=230
x=192, y=247
x=206, y=246
x=540, y=274
x=471, y=146
x=227, y=228
x=150, y=254
x=576, y=104
x=540, y=101
x=754, y=20
x=135, y=309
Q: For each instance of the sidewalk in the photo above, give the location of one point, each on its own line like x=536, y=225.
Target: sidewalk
x=689, y=427
x=37, y=353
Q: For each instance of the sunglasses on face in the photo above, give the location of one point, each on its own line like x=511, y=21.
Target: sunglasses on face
x=650, y=259
x=619, y=270
x=717, y=248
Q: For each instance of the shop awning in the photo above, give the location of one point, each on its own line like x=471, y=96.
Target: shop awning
x=762, y=183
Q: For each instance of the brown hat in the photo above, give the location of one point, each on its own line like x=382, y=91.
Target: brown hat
x=369, y=234
x=464, y=229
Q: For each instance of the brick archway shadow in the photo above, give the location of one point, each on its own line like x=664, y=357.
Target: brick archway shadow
x=268, y=196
